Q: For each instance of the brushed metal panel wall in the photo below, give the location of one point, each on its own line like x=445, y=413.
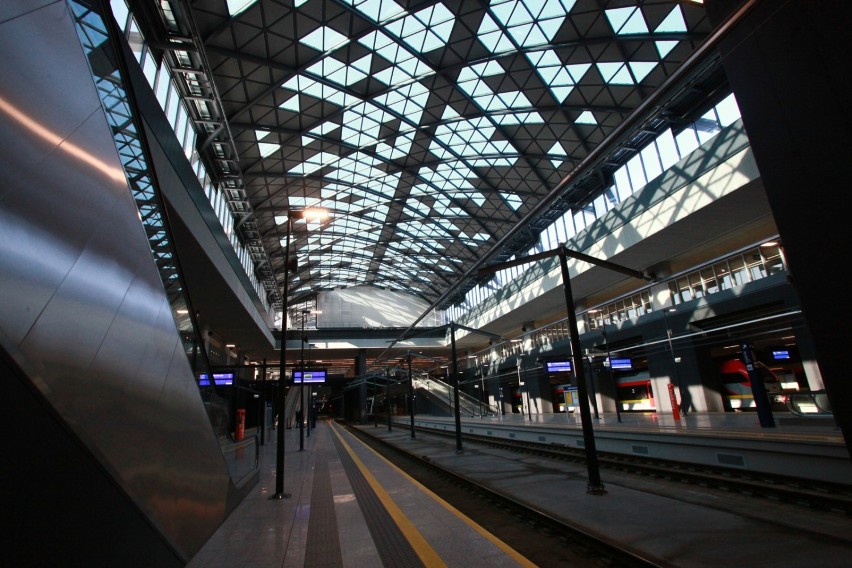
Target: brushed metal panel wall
x=83, y=311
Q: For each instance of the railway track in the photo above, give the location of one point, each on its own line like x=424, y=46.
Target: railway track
x=542, y=538
x=801, y=492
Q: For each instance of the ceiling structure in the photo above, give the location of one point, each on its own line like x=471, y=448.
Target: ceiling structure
x=427, y=130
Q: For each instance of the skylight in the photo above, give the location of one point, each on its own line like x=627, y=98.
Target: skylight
x=427, y=127
x=324, y=39
x=627, y=20
x=377, y=10
x=426, y=30
x=529, y=23
x=236, y=7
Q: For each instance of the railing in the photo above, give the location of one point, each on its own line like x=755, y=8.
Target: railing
x=242, y=458
x=808, y=403
x=444, y=392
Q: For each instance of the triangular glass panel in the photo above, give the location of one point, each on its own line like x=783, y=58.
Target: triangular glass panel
x=665, y=47
x=324, y=39
x=641, y=69
x=586, y=117
x=266, y=148
x=674, y=22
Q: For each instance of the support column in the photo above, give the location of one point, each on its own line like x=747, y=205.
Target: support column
x=788, y=64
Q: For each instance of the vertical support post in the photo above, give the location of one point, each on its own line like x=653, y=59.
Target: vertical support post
x=387, y=398
x=595, y=487
x=411, y=394
x=302, y=390
x=282, y=396
x=261, y=409
x=456, y=386
x=526, y=386
x=758, y=389
x=675, y=363
x=593, y=395
x=609, y=366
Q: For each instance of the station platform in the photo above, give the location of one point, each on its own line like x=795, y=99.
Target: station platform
x=350, y=507
x=715, y=424
x=347, y=507
x=804, y=447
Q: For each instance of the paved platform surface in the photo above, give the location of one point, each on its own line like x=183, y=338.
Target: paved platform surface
x=715, y=424
x=348, y=507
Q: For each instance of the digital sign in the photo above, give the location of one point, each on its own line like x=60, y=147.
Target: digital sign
x=558, y=366
x=621, y=364
x=311, y=376
x=780, y=354
x=221, y=379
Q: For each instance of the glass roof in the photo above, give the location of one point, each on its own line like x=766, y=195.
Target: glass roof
x=428, y=129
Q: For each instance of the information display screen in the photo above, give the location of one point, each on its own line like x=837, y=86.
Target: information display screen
x=311, y=376
x=558, y=366
x=221, y=379
x=621, y=364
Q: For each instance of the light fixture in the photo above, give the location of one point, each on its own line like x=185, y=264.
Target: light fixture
x=313, y=214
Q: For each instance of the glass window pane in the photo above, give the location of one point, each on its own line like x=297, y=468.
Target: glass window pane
x=696, y=284
x=149, y=68
x=723, y=275
x=674, y=293
x=189, y=143
x=738, y=270
x=601, y=206
x=622, y=183
x=707, y=126
x=135, y=39
x=180, y=125
x=755, y=264
x=773, y=260
x=637, y=173
x=163, y=86
x=709, y=280
x=552, y=235
x=119, y=11
x=667, y=149
x=579, y=220
x=651, y=161
x=570, y=228
x=646, y=301
x=173, y=104
x=684, y=289
x=728, y=110
x=612, y=197
x=561, y=233
x=687, y=141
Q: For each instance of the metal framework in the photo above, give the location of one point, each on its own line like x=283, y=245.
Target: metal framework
x=429, y=130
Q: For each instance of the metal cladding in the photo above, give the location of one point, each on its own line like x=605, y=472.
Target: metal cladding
x=83, y=311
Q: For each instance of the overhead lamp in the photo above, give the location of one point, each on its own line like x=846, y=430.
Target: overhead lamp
x=314, y=214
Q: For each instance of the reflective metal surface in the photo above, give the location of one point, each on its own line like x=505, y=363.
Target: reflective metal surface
x=83, y=310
